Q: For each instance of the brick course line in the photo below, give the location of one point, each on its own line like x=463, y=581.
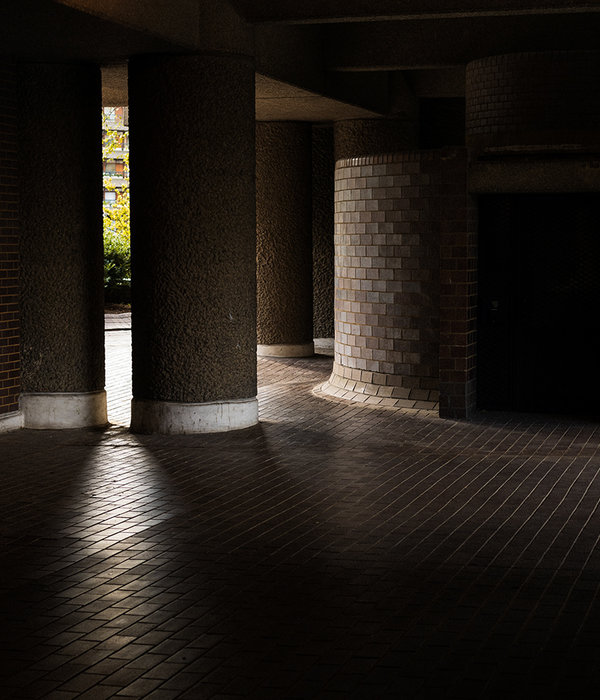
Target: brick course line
x=472, y=497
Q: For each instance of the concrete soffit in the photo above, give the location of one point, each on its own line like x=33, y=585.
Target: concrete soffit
x=280, y=101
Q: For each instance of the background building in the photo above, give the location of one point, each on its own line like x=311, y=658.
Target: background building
x=115, y=161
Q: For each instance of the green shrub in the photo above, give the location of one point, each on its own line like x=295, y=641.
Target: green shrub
x=117, y=259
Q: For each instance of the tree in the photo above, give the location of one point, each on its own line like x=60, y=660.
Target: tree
x=117, y=251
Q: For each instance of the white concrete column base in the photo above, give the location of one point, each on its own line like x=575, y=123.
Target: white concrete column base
x=173, y=418
x=11, y=421
x=55, y=411
x=303, y=350
x=324, y=346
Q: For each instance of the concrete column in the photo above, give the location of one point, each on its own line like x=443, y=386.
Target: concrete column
x=357, y=138
x=193, y=243
x=284, y=239
x=322, y=232
x=61, y=246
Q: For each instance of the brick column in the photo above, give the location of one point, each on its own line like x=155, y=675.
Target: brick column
x=284, y=239
x=387, y=215
x=400, y=219
x=10, y=355
x=61, y=246
x=193, y=230
x=533, y=99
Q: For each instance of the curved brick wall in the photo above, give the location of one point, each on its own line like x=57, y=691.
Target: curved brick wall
x=283, y=233
x=387, y=296
x=548, y=98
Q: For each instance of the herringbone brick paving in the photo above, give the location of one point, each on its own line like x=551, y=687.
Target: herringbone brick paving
x=334, y=551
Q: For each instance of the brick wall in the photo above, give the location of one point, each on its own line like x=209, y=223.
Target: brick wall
x=548, y=98
x=458, y=290
x=10, y=370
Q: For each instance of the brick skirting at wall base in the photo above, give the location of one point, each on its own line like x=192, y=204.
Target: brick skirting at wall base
x=373, y=388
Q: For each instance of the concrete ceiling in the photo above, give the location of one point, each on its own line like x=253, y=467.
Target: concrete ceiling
x=316, y=60
x=44, y=30
x=400, y=45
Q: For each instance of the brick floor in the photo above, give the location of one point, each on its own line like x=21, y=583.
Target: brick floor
x=335, y=551
x=118, y=368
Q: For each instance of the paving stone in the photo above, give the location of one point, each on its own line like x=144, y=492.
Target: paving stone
x=335, y=550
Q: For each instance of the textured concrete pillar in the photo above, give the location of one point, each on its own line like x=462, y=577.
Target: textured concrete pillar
x=356, y=138
x=193, y=243
x=322, y=229
x=284, y=239
x=61, y=246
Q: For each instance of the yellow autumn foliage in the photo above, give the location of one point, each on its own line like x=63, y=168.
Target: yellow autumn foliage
x=117, y=251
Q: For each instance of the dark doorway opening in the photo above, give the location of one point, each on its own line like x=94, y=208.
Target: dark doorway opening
x=539, y=291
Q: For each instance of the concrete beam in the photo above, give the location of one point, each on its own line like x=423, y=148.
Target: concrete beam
x=440, y=82
x=212, y=25
x=156, y=17
x=324, y=11
x=74, y=36
x=114, y=85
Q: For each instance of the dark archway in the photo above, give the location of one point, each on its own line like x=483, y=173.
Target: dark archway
x=538, y=324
